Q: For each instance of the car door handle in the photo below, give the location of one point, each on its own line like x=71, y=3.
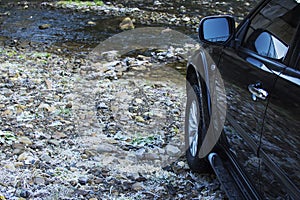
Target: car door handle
x=257, y=92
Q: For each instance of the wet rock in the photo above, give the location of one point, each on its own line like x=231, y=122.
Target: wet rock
x=126, y=24
x=44, y=26
x=7, y=13
x=182, y=9
x=157, y=3
x=92, y=23
x=186, y=19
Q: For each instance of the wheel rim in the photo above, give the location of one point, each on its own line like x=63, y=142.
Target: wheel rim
x=193, y=128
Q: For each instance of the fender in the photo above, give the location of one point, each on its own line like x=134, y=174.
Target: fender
x=199, y=64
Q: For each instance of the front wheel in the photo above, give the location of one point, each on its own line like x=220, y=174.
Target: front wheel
x=196, y=124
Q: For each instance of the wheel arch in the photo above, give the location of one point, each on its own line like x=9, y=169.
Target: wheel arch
x=194, y=77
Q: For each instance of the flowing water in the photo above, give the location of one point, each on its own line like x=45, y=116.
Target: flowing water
x=71, y=28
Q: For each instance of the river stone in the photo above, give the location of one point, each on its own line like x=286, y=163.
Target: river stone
x=139, y=119
x=83, y=180
x=44, y=26
x=172, y=150
x=39, y=180
x=10, y=166
x=102, y=105
x=126, y=24
x=91, y=23
x=24, y=193
x=139, y=101
x=45, y=157
x=157, y=3
x=106, y=148
x=59, y=135
x=151, y=156
x=181, y=164
x=25, y=140
x=18, y=148
x=23, y=156
x=109, y=56
x=138, y=186
x=186, y=19
x=90, y=152
x=54, y=142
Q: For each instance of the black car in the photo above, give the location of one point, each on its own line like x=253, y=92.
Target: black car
x=243, y=102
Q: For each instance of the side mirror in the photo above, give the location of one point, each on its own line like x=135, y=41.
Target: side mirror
x=217, y=29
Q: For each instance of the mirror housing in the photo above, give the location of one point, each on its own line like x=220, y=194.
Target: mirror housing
x=217, y=29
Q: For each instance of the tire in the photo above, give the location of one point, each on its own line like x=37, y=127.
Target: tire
x=196, y=123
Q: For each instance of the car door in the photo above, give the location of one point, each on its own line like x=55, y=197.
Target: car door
x=280, y=139
x=250, y=72
x=268, y=46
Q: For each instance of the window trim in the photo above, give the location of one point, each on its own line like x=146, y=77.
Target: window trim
x=244, y=28
x=294, y=57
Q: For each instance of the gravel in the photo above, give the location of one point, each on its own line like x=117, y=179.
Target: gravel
x=120, y=139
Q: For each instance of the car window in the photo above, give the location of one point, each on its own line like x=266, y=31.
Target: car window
x=271, y=31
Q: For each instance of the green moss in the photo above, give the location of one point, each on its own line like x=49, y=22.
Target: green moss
x=89, y=3
x=139, y=140
x=21, y=57
x=41, y=55
x=65, y=112
x=99, y=3
x=7, y=137
x=11, y=53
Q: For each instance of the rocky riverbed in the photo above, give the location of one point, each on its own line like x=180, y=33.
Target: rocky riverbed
x=72, y=130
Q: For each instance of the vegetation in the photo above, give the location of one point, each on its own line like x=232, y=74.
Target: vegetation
x=82, y=3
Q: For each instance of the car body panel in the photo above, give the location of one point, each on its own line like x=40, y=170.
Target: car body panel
x=238, y=74
x=262, y=128
x=281, y=139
